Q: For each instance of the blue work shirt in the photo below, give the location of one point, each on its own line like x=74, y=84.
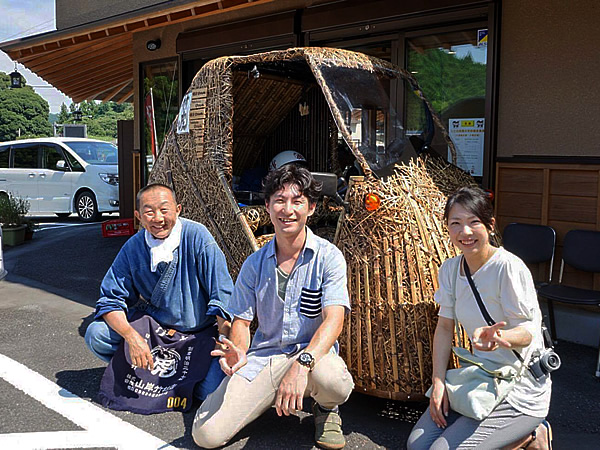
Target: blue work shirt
x=196, y=283
x=317, y=280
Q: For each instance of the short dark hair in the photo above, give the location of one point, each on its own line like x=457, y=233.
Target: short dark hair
x=292, y=174
x=151, y=187
x=476, y=201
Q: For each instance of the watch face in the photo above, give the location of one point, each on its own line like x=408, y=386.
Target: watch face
x=305, y=359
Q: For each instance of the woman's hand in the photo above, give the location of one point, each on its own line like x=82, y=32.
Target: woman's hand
x=488, y=339
x=438, y=403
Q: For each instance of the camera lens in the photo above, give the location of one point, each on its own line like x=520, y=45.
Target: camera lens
x=550, y=361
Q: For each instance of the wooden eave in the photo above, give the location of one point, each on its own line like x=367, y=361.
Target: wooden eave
x=78, y=61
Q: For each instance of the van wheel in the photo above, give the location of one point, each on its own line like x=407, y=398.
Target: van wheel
x=87, y=208
x=63, y=215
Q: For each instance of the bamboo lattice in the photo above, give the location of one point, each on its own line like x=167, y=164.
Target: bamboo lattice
x=393, y=254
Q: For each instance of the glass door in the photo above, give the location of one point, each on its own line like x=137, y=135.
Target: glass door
x=451, y=69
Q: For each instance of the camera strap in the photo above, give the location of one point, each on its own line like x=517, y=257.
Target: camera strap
x=482, y=308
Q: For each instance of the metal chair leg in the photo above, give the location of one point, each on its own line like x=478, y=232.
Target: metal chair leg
x=598, y=363
x=552, y=323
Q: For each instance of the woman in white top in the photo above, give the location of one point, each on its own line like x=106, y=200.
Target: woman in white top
x=507, y=290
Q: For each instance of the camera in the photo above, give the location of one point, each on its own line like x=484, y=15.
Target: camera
x=543, y=362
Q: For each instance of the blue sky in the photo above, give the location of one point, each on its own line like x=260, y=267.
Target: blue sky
x=22, y=18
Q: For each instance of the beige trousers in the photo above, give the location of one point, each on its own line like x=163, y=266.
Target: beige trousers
x=237, y=401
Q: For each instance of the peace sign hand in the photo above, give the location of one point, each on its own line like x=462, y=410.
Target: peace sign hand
x=489, y=338
x=231, y=358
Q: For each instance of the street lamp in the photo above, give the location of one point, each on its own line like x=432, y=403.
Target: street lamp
x=15, y=79
x=77, y=115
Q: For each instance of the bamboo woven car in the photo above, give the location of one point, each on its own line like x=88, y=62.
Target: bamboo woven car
x=327, y=104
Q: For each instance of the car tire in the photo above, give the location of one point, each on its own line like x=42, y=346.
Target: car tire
x=62, y=215
x=87, y=207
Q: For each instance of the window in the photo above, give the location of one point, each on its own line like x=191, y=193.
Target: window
x=451, y=70
x=26, y=157
x=75, y=165
x=161, y=97
x=4, y=152
x=97, y=153
x=50, y=156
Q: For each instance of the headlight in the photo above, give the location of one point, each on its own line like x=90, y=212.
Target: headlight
x=110, y=178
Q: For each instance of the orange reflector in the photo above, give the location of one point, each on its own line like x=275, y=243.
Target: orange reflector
x=372, y=202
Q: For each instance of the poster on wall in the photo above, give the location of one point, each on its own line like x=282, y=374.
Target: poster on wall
x=183, y=121
x=467, y=135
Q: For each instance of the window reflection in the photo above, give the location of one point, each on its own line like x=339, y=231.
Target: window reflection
x=161, y=83
x=451, y=70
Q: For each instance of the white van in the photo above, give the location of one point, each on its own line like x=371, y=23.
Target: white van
x=62, y=175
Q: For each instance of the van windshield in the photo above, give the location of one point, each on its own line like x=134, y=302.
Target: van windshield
x=99, y=153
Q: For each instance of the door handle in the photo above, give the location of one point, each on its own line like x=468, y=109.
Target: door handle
x=42, y=175
x=31, y=175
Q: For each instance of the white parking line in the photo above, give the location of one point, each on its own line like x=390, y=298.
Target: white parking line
x=84, y=414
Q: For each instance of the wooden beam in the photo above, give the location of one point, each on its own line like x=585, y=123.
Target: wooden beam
x=116, y=79
x=127, y=95
x=73, y=71
x=114, y=92
x=101, y=86
x=103, y=79
x=130, y=24
x=71, y=53
x=91, y=76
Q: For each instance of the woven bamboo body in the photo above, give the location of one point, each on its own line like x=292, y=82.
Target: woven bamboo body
x=393, y=254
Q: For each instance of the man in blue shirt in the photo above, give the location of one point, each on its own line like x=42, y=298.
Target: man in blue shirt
x=296, y=287
x=173, y=271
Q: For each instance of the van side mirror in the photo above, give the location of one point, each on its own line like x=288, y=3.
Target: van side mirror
x=61, y=165
x=330, y=185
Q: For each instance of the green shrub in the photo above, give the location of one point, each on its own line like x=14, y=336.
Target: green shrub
x=12, y=210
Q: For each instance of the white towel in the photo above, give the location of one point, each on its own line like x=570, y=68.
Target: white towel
x=161, y=250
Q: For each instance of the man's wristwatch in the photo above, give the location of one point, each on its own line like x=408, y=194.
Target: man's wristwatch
x=307, y=360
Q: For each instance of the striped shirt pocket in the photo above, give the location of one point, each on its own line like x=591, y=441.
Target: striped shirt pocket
x=310, y=302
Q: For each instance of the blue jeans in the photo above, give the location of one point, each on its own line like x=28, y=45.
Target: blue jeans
x=103, y=342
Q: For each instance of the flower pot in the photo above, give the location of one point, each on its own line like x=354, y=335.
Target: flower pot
x=14, y=235
x=29, y=235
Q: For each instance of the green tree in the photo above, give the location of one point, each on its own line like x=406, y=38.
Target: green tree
x=22, y=112
x=100, y=118
x=63, y=115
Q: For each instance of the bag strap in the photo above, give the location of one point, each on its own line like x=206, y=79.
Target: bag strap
x=482, y=308
x=453, y=283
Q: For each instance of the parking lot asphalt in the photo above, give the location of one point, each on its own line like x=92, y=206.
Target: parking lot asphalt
x=47, y=300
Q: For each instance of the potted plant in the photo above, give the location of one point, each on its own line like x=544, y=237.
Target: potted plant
x=12, y=217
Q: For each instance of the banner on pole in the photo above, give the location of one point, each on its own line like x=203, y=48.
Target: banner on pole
x=149, y=112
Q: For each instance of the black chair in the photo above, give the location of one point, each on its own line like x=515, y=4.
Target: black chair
x=581, y=250
x=534, y=244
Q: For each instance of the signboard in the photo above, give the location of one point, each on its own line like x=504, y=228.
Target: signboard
x=482, y=37
x=467, y=135
x=183, y=121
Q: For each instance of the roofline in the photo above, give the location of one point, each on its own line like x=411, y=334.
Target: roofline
x=144, y=13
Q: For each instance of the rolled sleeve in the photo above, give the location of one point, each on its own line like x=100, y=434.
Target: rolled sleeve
x=215, y=279
x=242, y=303
x=518, y=297
x=335, y=281
x=445, y=295
x=116, y=292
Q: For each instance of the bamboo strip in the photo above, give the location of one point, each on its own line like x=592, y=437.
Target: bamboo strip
x=390, y=311
x=380, y=346
x=348, y=324
x=368, y=323
x=359, y=350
